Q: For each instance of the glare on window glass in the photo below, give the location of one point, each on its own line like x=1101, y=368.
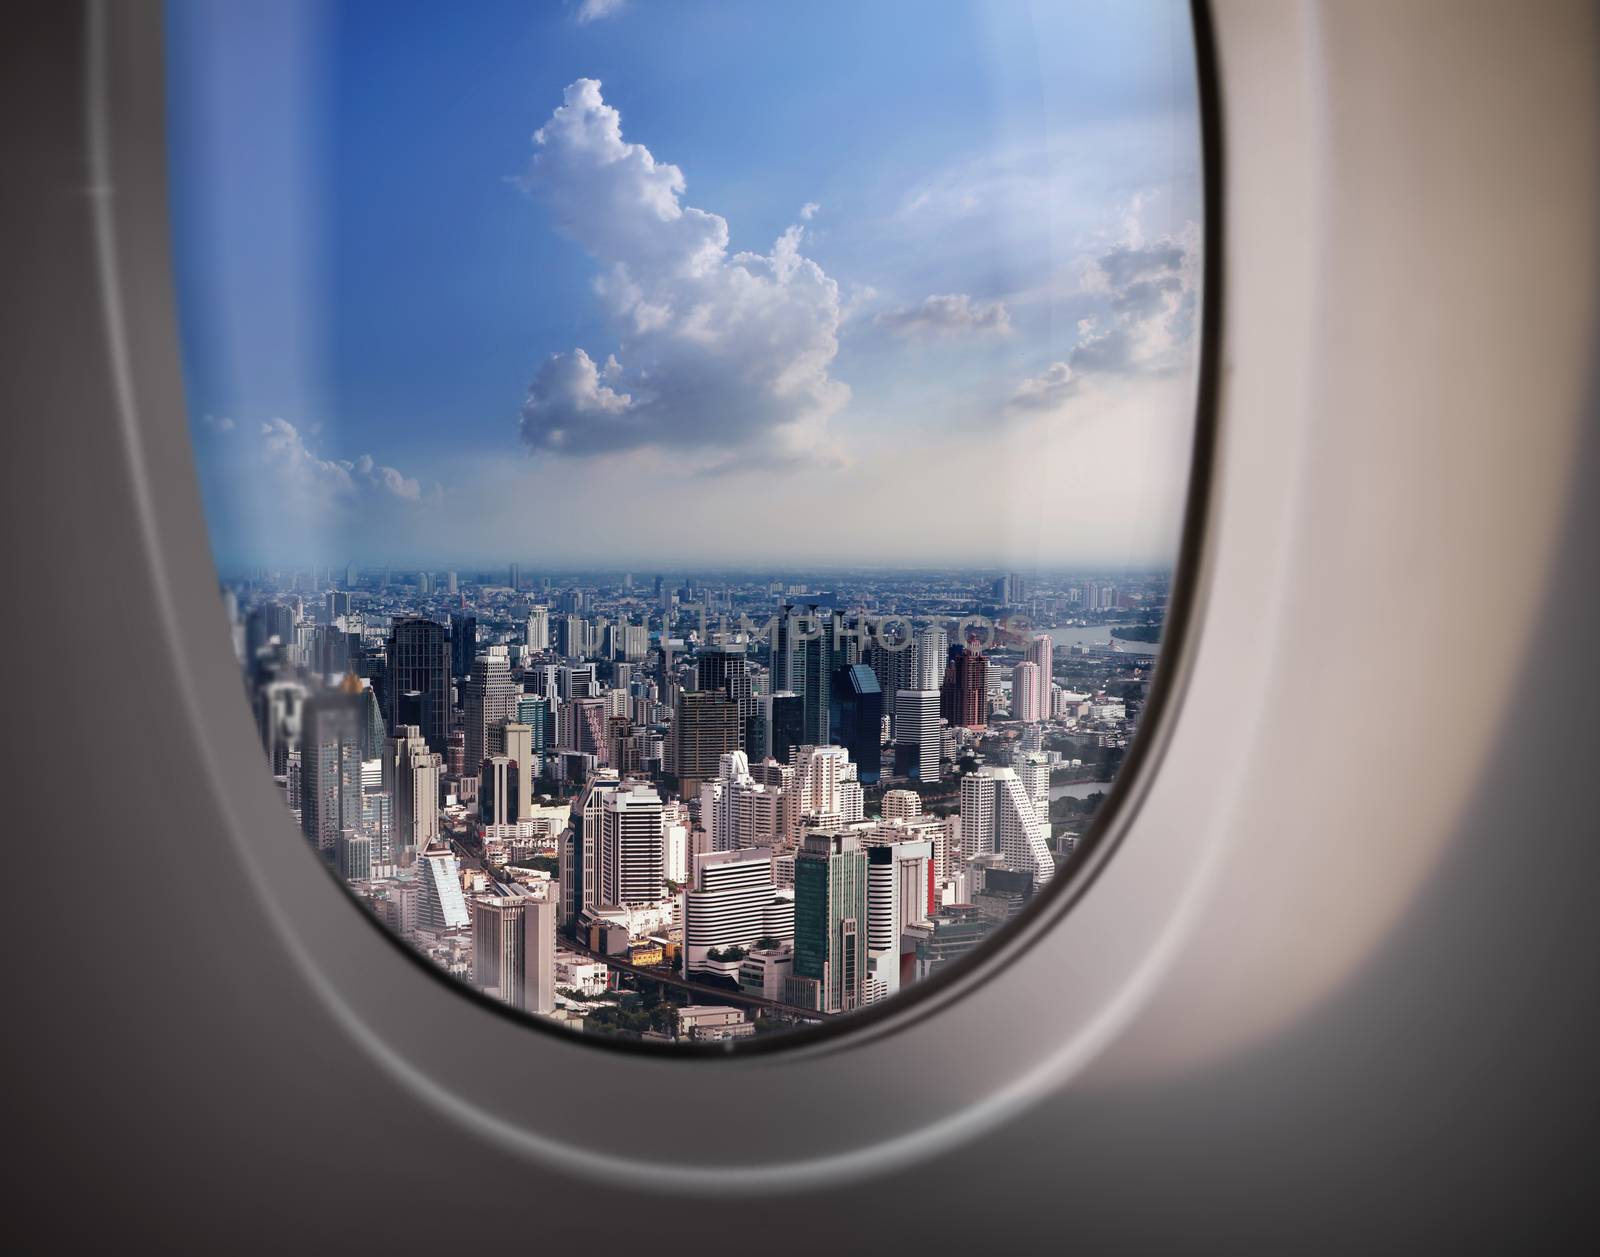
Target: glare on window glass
x=693, y=485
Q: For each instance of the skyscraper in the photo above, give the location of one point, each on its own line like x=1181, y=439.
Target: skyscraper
x=411, y=775
x=331, y=740
x=490, y=697
x=1041, y=653
x=997, y=814
x=463, y=644
x=537, y=633
x=633, y=859
x=917, y=741
x=734, y=902
x=964, y=696
x=440, y=904
x=498, y=954
x=417, y=678
x=498, y=785
x=856, y=717
x=785, y=725
x=518, y=739
x=1025, y=693
x=723, y=669
x=830, y=924
x=706, y=727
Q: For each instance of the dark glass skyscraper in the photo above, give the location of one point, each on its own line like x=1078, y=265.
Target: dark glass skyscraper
x=463, y=644
x=417, y=679
x=855, y=718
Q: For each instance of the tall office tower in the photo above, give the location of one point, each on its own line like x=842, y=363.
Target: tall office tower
x=824, y=794
x=635, y=642
x=350, y=575
x=706, y=727
x=498, y=947
x=424, y=584
x=580, y=854
x=1041, y=653
x=964, y=696
x=280, y=706
x=543, y=679
x=830, y=924
x=574, y=637
x=577, y=681
x=633, y=857
x=518, y=739
x=498, y=783
x=463, y=644
x=440, y=904
x=377, y=820
x=353, y=855
x=538, y=713
x=799, y=664
x=452, y=583
x=917, y=737
x=895, y=669
x=1025, y=693
x=734, y=902
x=330, y=762
x=901, y=805
x=724, y=669
x=899, y=895
x=785, y=725
x=411, y=775
x=266, y=622
x=419, y=666
x=738, y=811
x=540, y=904
x=537, y=633
x=855, y=718
x=491, y=697
x=514, y=576
x=997, y=814
x=338, y=606
x=583, y=728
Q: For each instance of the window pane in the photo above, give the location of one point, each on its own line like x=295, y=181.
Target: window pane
x=694, y=485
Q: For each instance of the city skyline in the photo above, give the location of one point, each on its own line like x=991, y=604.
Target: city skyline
x=938, y=312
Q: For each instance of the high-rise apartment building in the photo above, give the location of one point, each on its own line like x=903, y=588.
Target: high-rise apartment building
x=997, y=815
x=964, y=695
x=1025, y=693
x=537, y=633
x=1041, y=653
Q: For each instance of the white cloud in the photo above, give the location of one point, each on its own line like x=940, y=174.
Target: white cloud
x=725, y=355
x=948, y=314
x=594, y=10
x=1046, y=390
x=218, y=423
x=1148, y=295
x=808, y=211
x=305, y=475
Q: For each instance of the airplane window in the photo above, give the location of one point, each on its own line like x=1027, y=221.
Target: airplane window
x=695, y=487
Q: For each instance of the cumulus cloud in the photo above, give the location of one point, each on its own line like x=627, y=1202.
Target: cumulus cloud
x=724, y=354
x=808, y=211
x=946, y=315
x=285, y=449
x=1148, y=294
x=594, y=10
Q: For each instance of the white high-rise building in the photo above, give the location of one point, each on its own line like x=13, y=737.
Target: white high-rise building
x=633, y=860
x=997, y=814
x=1041, y=653
x=932, y=648
x=440, y=904
x=1033, y=769
x=1025, y=693
x=734, y=902
x=518, y=740
x=825, y=793
x=537, y=633
x=738, y=811
x=899, y=883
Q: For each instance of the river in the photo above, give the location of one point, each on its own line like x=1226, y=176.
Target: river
x=1078, y=790
x=1099, y=635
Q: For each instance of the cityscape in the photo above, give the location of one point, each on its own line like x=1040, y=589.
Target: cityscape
x=694, y=809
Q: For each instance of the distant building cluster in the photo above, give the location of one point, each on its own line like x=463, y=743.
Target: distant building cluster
x=693, y=810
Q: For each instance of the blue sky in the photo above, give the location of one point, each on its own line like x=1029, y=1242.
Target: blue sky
x=921, y=287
